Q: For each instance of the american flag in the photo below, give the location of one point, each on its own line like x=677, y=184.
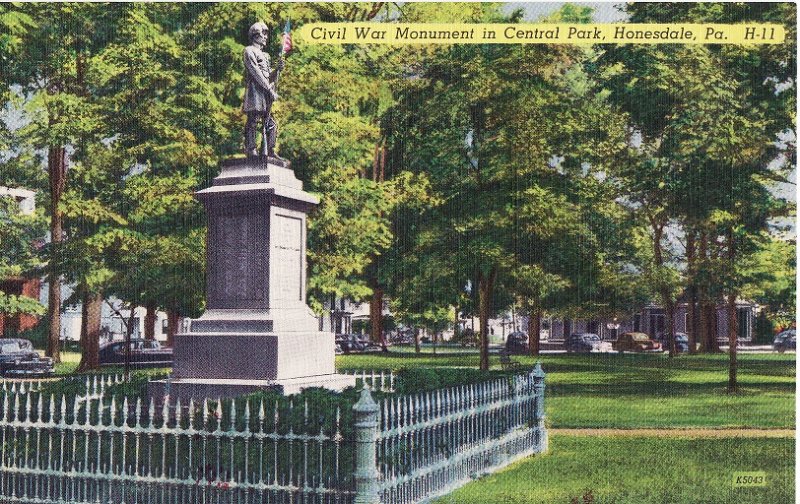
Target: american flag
x=287, y=38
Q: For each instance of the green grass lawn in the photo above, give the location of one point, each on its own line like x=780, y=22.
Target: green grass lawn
x=69, y=362
x=626, y=391
x=640, y=470
x=630, y=390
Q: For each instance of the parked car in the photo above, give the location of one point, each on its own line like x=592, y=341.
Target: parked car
x=786, y=340
x=681, y=342
x=350, y=343
x=587, y=343
x=144, y=353
x=402, y=337
x=636, y=342
x=517, y=343
x=467, y=338
x=19, y=359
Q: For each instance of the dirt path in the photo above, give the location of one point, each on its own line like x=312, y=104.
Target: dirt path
x=690, y=432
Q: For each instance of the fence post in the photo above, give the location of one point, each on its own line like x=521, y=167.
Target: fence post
x=538, y=413
x=365, y=413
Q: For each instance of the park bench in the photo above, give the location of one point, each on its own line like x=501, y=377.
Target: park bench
x=507, y=364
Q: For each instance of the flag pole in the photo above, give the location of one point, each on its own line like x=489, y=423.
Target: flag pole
x=286, y=32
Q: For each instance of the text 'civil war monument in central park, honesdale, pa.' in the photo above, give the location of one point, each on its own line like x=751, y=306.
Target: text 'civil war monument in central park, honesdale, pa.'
x=257, y=331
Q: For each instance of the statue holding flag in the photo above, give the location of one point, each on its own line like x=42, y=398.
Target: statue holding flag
x=260, y=93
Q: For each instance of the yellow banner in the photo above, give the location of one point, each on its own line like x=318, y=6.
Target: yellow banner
x=539, y=33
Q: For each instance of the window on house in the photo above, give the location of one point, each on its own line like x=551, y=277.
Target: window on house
x=656, y=325
x=743, y=317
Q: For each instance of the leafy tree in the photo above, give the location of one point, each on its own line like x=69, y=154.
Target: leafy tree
x=49, y=69
x=514, y=142
x=770, y=273
x=21, y=236
x=710, y=121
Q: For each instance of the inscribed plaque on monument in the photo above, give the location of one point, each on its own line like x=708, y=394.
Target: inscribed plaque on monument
x=239, y=250
x=287, y=258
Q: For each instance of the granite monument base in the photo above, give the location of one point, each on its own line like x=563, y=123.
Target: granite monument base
x=253, y=356
x=257, y=332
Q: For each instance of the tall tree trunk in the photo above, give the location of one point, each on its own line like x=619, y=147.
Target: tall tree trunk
x=150, y=321
x=708, y=309
x=172, y=327
x=57, y=173
x=710, y=330
x=692, y=318
x=128, y=337
x=666, y=295
x=703, y=320
x=485, y=291
x=91, y=320
x=456, y=325
x=376, y=317
x=669, y=309
x=733, y=320
x=733, y=334
x=417, y=349
x=534, y=328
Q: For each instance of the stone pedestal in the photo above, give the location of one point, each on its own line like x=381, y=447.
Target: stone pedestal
x=257, y=331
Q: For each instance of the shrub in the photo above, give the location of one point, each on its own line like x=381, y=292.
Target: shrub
x=415, y=380
x=69, y=387
x=134, y=388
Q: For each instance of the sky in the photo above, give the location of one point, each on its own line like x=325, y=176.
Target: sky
x=604, y=12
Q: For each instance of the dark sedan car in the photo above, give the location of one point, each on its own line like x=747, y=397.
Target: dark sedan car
x=786, y=340
x=681, y=342
x=587, y=343
x=517, y=343
x=18, y=358
x=350, y=343
x=144, y=353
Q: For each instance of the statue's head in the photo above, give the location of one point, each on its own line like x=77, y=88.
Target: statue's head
x=258, y=33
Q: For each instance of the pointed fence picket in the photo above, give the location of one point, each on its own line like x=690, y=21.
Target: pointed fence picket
x=94, y=449
x=374, y=380
x=430, y=443
x=89, y=449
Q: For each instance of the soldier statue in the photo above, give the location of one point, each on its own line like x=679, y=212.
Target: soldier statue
x=259, y=93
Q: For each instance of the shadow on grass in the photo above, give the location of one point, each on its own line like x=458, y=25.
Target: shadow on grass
x=664, y=388
x=620, y=375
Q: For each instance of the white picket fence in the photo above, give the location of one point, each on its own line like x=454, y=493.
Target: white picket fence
x=375, y=380
x=434, y=442
x=94, y=384
x=403, y=449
